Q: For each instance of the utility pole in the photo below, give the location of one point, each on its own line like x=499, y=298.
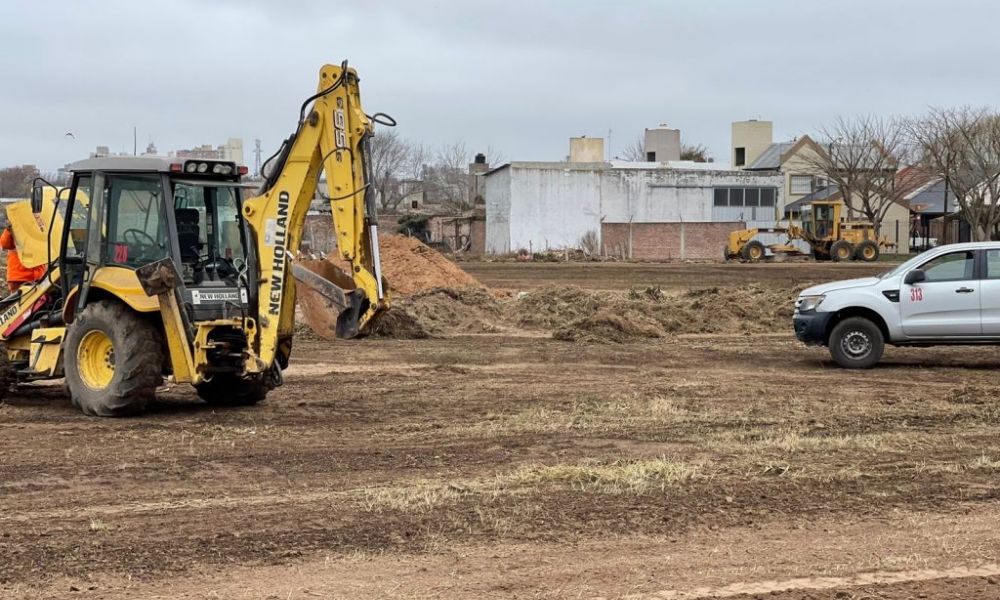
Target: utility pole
x=256, y=154
x=944, y=219
x=135, y=141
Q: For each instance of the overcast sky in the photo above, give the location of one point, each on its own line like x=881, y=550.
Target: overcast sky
x=521, y=76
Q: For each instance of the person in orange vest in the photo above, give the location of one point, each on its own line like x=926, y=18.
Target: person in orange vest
x=17, y=273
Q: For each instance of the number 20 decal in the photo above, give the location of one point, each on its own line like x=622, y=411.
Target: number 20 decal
x=916, y=294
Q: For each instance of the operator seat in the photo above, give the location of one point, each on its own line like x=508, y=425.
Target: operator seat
x=188, y=234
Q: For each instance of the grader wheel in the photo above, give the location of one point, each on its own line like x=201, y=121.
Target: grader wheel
x=867, y=251
x=841, y=251
x=753, y=251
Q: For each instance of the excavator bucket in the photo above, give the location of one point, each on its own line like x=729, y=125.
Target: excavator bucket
x=331, y=305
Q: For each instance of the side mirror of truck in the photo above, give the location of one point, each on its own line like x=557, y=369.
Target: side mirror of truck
x=915, y=276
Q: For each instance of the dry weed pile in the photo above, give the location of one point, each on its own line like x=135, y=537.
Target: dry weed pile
x=574, y=314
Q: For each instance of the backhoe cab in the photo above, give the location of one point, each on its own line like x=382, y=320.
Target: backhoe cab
x=160, y=267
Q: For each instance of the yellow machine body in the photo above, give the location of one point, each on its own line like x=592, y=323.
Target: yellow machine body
x=37, y=322
x=821, y=227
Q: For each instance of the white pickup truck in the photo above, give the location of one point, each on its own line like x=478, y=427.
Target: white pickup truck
x=947, y=295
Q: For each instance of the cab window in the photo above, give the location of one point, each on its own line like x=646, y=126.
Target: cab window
x=953, y=266
x=136, y=234
x=77, y=242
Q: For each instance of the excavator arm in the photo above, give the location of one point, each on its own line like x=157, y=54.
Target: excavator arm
x=332, y=138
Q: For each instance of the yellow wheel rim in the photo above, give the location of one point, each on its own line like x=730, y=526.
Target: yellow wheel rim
x=843, y=253
x=869, y=253
x=96, y=360
x=755, y=253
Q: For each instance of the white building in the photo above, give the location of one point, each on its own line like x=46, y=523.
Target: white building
x=642, y=210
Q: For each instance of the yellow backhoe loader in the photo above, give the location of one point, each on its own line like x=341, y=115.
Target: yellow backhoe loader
x=165, y=269
x=828, y=237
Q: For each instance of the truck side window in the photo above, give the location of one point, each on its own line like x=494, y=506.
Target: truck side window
x=993, y=264
x=955, y=266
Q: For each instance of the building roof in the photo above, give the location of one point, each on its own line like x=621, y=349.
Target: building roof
x=930, y=199
x=830, y=192
x=674, y=165
x=771, y=157
x=776, y=154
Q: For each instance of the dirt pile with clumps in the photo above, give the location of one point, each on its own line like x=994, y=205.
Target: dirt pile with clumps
x=607, y=326
x=410, y=266
x=574, y=314
x=441, y=311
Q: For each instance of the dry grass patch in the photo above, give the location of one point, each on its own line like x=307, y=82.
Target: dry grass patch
x=623, y=476
x=619, y=477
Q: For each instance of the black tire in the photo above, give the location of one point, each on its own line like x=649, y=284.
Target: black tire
x=7, y=375
x=752, y=251
x=856, y=343
x=230, y=390
x=841, y=250
x=867, y=251
x=136, y=357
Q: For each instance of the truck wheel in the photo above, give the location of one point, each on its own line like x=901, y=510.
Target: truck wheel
x=752, y=251
x=867, y=251
x=114, y=360
x=230, y=390
x=841, y=251
x=856, y=343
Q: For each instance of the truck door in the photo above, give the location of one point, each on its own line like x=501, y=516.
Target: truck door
x=946, y=304
x=990, y=292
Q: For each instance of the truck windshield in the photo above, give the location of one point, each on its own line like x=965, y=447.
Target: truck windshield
x=209, y=231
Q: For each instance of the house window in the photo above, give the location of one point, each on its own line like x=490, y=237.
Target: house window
x=651, y=157
x=735, y=196
x=752, y=197
x=800, y=184
x=767, y=196
x=721, y=197
x=741, y=157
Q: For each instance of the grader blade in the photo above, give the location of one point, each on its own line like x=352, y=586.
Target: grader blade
x=330, y=304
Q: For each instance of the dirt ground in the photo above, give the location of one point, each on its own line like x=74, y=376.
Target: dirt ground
x=508, y=464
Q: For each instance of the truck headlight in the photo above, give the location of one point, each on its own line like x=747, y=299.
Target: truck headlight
x=808, y=303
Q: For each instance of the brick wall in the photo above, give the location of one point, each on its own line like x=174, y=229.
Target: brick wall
x=665, y=241
x=478, y=235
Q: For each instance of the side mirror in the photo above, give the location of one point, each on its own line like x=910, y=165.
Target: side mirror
x=36, y=199
x=914, y=276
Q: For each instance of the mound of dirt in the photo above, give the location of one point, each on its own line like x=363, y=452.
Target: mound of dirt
x=427, y=288
x=411, y=266
x=606, y=326
x=440, y=311
x=572, y=313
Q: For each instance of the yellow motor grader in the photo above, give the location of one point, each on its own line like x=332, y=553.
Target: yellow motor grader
x=828, y=237
x=161, y=267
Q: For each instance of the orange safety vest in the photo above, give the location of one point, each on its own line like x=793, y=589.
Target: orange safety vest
x=17, y=272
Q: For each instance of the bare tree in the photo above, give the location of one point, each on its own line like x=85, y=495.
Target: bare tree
x=636, y=151
x=15, y=182
x=963, y=146
x=447, y=180
x=390, y=156
x=696, y=153
x=862, y=157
